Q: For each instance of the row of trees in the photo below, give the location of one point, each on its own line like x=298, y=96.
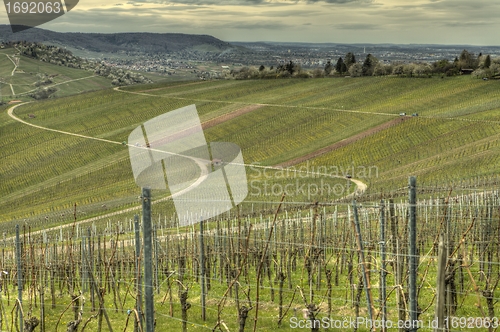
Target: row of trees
x=480, y=66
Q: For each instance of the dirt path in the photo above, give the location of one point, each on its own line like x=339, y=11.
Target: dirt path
x=56, y=84
x=10, y=112
x=229, y=116
x=208, y=124
x=345, y=142
x=15, y=65
x=361, y=187
x=201, y=163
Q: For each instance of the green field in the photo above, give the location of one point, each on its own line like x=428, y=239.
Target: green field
x=50, y=178
x=455, y=138
x=67, y=81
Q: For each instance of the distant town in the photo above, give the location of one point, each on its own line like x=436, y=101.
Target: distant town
x=308, y=56
x=124, y=57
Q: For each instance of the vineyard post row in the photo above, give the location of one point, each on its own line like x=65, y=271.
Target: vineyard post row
x=104, y=267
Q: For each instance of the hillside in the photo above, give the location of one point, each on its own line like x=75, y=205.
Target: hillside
x=22, y=77
x=39, y=71
x=454, y=140
x=129, y=43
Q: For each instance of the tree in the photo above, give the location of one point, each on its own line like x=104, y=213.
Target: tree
x=246, y=73
x=487, y=62
x=398, y=70
x=467, y=60
x=43, y=93
x=340, y=66
x=318, y=73
x=356, y=70
x=379, y=70
x=480, y=73
x=494, y=69
x=369, y=64
x=421, y=70
x=442, y=66
x=290, y=67
x=328, y=67
x=408, y=69
x=350, y=59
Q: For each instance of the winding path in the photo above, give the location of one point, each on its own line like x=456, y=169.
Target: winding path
x=201, y=163
x=360, y=186
x=15, y=64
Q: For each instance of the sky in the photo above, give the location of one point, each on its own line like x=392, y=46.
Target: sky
x=464, y=22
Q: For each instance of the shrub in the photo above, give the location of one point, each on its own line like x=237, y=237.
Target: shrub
x=43, y=93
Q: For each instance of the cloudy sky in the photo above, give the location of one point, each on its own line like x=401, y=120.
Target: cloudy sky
x=471, y=22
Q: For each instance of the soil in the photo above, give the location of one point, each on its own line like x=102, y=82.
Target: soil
x=344, y=142
x=229, y=116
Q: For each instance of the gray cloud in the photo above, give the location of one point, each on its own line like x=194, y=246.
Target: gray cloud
x=256, y=26
x=342, y=1
x=117, y=19
x=358, y=21
x=357, y=26
x=203, y=2
x=250, y=2
x=461, y=16
x=462, y=24
x=292, y=13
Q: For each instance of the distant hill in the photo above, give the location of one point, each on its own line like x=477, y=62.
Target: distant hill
x=119, y=42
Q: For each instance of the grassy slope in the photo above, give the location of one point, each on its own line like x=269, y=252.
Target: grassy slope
x=45, y=172
x=68, y=81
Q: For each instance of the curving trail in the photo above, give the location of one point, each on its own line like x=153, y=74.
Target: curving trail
x=201, y=163
x=15, y=65
x=360, y=186
x=10, y=112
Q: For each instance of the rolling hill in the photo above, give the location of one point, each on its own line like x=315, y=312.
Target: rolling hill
x=130, y=43
x=21, y=77
x=453, y=142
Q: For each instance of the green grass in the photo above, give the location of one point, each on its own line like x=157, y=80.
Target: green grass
x=68, y=81
x=454, y=138
x=288, y=246
x=438, y=151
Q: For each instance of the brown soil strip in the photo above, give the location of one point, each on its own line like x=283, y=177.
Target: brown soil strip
x=205, y=125
x=229, y=116
x=344, y=142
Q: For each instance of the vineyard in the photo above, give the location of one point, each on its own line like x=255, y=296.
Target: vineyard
x=298, y=250
x=20, y=77
x=281, y=271
x=44, y=173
